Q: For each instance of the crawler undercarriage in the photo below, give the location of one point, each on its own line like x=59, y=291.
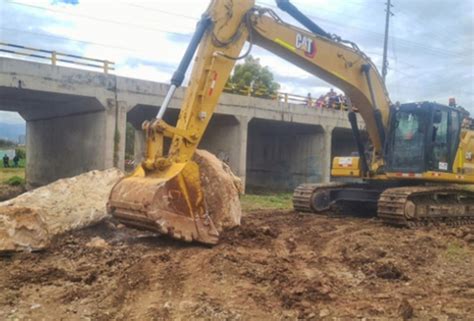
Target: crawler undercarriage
x=408, y=206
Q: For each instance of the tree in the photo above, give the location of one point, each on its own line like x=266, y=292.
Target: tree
x=4, y=143
x=21, y=153
x=252, y=77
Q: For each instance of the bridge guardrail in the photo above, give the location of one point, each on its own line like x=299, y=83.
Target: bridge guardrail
x=106, y=66
x=282, y=97
x=56, y=57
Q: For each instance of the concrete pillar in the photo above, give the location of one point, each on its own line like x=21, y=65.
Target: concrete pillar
x=226, y=137
x=139, y=146
x=115, y=133
x=326, y=156
x=64, y=146
x=241, y=149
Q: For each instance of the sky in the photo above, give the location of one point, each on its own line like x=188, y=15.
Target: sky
x=431, y=42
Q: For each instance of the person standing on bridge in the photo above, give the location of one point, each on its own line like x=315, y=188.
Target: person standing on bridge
x=6, y=161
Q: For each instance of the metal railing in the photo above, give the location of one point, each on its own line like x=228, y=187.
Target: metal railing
x=287, y=98
x=54, y=57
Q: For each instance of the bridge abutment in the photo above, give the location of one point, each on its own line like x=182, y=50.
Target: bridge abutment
x=64, y=147
x=282, y=155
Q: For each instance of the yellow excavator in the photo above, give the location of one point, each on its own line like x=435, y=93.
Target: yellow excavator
x=413, y=172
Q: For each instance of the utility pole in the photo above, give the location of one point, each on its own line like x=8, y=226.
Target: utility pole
x=385, y=44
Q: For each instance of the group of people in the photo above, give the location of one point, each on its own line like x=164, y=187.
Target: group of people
x=6, y=161
x=330, y=100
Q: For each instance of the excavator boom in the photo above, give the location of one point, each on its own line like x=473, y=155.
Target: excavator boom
x=164, y=193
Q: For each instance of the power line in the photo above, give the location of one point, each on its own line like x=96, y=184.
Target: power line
x=435, y=51
x=48, y=35
x=98, y=19
x=113, y=46
x=128, y=49
x=159, y=10
x=404, y=42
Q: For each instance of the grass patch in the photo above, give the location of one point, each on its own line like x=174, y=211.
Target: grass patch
x=7, y=173
x=278, y=201
x=15, y=181
x=455, y=251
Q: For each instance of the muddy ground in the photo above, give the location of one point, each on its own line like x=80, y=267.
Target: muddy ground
x=8, y=192
x=276, y=266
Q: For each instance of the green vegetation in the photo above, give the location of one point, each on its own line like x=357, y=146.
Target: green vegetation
x=277, y=201
x=455, y=251
x=15, y=174
x=6, y=144
x=7, y=173
x=15, y=181
x=21, y=152
x=252, y=74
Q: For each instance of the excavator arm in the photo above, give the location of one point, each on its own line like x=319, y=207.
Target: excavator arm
x=164, y=193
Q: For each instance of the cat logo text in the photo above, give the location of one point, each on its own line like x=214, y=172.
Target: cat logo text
x=306, y=44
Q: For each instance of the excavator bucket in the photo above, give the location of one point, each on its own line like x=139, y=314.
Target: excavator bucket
x=170, y=203
x=164, y=193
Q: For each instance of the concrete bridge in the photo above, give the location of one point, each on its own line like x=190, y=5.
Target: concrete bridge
x=76, y=121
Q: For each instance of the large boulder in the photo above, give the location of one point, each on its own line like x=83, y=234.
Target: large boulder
x=221, y=190
x=28, y=221
x=22, y=228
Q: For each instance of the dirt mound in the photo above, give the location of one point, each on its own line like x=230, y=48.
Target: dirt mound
x=61, y=206
x=275, y=266
x=7, y=192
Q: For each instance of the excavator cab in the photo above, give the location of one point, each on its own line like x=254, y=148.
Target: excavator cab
x=422, y=137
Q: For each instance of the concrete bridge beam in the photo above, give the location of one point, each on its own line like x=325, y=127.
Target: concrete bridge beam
x=326, y=154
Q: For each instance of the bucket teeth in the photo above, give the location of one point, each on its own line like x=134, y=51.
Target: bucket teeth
x=160, y=205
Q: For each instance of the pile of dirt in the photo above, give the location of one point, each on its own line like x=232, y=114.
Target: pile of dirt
x=275, y=266
x=28, y=221
x=8, y=192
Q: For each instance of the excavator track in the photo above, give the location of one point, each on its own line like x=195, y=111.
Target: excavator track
x=303, y=195
x=426, y=205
